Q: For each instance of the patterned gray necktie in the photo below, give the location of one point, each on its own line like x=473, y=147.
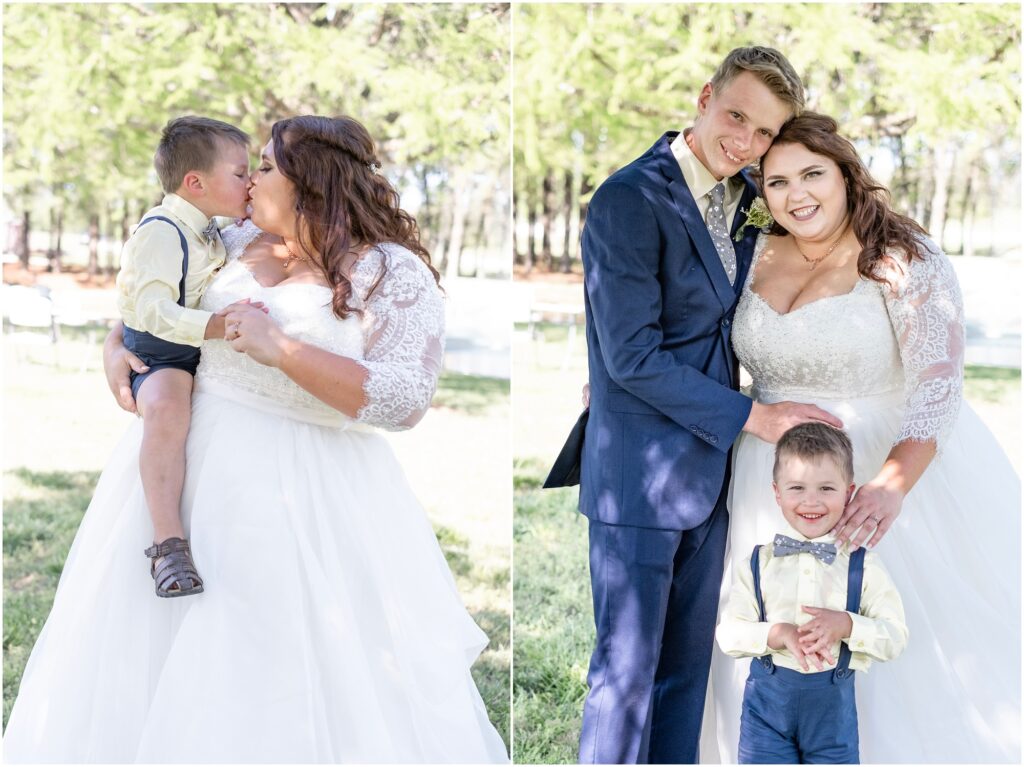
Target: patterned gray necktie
x=784, y=545
x=719, y=231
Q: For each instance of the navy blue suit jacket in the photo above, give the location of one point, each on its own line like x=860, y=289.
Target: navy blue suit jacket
x=664, y=405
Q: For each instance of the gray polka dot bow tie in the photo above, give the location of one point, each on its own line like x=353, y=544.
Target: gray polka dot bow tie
x=211, y=232
x=784, y=545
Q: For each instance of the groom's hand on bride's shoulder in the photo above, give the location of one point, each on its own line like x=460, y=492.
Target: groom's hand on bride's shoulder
x=771, y=421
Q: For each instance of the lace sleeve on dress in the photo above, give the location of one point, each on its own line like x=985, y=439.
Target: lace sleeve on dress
x=237, y=238
x=927, y=315
x=403, y=324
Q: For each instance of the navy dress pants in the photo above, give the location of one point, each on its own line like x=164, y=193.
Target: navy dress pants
x=655, y=605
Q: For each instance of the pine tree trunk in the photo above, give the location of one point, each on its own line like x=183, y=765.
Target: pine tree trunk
x=126, y=224
x=971, y=222
x=463, y=195
x=426, y=219
x=94, y=244
x=945, y=158
x=531, y=240
x=506, y=231
x=444, y=228
x=23, y=249
x=585, y=189
x=966, y=208
x=53, y=253
x=567, y=208
x=113, y=255
x=58, y=263
x=547, y=218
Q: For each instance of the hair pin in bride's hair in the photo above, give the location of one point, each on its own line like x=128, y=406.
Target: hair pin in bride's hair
x=373, y=167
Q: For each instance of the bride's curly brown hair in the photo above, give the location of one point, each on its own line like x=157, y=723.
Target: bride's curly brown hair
x=877, y=226
x=341, y=199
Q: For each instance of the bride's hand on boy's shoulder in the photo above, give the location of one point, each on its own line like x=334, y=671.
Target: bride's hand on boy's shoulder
x=869, y=515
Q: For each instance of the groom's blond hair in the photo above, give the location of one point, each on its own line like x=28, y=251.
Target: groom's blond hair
x=770, y=67
x=813, y=441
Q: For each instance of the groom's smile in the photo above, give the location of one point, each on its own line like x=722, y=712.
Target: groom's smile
x=735, y=124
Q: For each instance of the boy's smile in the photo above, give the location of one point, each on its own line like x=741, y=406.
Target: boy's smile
x=811, y=493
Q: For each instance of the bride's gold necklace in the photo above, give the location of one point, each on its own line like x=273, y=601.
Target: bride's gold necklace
x=292, y=257
x=815, y=261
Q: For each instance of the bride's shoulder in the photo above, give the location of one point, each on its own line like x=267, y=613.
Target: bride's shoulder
x=238, y=236
x=770, y=243
x=901, y=271
x=394, y=269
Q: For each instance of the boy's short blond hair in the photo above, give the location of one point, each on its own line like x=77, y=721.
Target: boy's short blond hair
x=192, y=143
x=770, y=67
x=813, y=440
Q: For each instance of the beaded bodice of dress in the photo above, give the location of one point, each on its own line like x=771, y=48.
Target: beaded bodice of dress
x=302, y=311
x=395, y=331
x=833, y=348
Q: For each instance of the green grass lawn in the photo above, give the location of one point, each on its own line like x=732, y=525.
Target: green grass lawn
x=554, y=630
x=61, y=424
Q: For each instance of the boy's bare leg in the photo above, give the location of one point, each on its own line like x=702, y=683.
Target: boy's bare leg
x=165, y=403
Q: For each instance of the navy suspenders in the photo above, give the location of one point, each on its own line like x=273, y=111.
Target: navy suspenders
x=854, y=583
x=184, y=251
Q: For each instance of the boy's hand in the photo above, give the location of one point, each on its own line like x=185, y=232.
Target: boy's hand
x=216, y=328
x=785, y=636
x=824, y=630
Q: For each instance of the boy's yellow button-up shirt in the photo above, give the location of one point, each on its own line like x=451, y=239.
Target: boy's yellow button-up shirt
x=151, y=272
x=790, y=582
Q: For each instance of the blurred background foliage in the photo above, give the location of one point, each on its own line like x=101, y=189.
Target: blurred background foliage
x=930, y=93
x=87, y=88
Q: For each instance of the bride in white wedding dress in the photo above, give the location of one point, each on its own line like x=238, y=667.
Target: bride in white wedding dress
x=330, y=629
x=935, y=491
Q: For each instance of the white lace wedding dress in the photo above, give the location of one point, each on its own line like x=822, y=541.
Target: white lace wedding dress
x=330, y=629
x=889, y=364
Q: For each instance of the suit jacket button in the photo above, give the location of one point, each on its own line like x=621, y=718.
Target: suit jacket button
x=725, y=322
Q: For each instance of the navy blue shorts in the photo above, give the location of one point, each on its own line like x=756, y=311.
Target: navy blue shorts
x=158, y=354
x=794, y=718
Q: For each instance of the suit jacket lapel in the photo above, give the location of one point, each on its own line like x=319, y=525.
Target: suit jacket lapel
x=745, y=246
x=695, y=226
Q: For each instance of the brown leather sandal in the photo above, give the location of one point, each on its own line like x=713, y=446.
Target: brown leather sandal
x=177, y=575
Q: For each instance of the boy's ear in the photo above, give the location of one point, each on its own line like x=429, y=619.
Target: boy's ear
x=778, y=497
x=193, y=183
x=849, y=492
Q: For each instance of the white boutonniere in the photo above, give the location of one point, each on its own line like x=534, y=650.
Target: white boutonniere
x=758, y=216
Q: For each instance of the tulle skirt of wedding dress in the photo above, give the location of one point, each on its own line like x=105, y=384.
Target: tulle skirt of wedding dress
x=954, y=694
x=330, y=629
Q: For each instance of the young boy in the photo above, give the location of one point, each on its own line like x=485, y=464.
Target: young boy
x=166, y=264
x=809, y=614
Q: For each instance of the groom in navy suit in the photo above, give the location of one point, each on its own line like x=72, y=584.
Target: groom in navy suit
x=663, y=275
